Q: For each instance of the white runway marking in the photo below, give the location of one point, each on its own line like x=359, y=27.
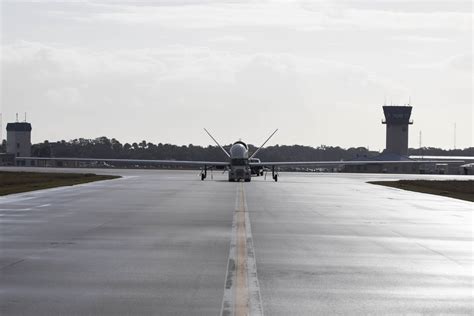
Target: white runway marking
x=242, y=290
x=13, y=221
x=15, y=198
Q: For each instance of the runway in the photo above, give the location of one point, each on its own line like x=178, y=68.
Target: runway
x=166, y=243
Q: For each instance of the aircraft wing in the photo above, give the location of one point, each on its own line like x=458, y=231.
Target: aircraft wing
x=344, y=162
x=133, y=161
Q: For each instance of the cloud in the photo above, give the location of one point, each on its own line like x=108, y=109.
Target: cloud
x=462, y=62
x=408, y=6
x=298, y=15
x=49, y=62
x=228, y=39
x=458, y=62
x=422, y=39
x=155, y=87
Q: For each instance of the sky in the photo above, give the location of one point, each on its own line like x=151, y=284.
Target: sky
x=162, y=70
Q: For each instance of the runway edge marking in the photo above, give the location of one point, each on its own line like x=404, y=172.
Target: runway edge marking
x=241, y=290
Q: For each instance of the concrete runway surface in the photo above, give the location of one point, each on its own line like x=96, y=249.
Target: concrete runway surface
x=165, y=243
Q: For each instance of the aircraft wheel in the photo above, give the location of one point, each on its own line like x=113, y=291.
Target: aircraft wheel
x=247, y=180
x=276, y=178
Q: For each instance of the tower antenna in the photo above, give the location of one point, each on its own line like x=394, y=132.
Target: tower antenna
x=419, y=139
x=454, y=135
x=25, y=117
x=17, y=117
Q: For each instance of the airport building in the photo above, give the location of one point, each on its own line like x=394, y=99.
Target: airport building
x=19, y=139
x=397, y=119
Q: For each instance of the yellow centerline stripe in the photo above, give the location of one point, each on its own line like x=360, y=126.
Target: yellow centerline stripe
x=241, y=288
x=242, y=293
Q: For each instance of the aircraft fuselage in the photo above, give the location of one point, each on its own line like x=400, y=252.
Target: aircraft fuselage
x=239, y=163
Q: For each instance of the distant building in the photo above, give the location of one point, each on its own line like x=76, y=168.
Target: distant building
x=467, y=169
x=380, y=165
x=397, y=119
x=7, y=159
x=19, y=139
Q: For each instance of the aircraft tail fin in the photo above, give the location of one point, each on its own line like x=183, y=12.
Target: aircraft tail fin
x=253, y=155
x=215, y=141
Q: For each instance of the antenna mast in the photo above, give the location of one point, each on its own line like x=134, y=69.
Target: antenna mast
x=419, y=140
x=454, y=135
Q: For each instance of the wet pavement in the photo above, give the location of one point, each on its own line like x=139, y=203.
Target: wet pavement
x=159, y=242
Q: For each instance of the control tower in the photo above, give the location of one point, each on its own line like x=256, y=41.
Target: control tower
x=19, y=139
x=397, y=119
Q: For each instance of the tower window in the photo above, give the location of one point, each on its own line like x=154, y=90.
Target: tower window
x=17, y=145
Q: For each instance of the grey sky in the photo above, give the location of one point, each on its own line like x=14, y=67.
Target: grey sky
x=162, y=70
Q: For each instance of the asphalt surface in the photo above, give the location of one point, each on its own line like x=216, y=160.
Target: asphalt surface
x=165, y=243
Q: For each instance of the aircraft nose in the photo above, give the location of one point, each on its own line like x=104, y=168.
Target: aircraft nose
x=239, y=151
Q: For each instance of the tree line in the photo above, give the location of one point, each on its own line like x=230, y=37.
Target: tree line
x=104, y=147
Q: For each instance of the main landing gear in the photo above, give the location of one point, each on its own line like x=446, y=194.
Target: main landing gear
x=203, y=173
x=274, y=174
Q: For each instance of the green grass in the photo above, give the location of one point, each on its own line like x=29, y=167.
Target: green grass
x=17, y=182
x=458, y=189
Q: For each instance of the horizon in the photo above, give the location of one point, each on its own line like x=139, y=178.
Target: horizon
x=249, y=144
